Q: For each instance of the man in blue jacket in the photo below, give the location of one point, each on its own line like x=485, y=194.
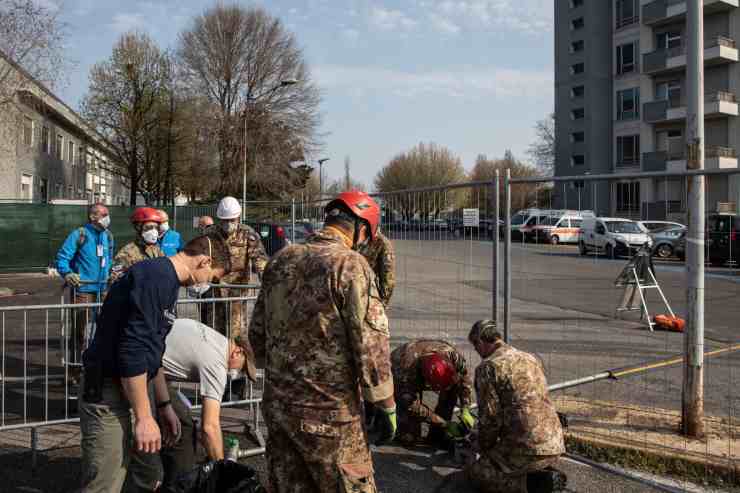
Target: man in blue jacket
x=170, y=240
x=84, y=261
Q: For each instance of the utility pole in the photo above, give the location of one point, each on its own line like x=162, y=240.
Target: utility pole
x=321, y=177
x=693, y=382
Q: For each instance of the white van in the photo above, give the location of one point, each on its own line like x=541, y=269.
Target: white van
x=612, y=236
x=566, y=228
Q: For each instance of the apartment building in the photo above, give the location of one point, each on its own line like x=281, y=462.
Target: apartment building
x=47, y=152
x=641, y=125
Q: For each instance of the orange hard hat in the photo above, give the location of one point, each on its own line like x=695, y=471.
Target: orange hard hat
x=361, y=205
x=146, y=215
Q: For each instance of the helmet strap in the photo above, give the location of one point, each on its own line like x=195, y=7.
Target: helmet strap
x=356, y=239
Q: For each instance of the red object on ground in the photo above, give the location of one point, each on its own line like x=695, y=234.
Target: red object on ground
x=670, y=323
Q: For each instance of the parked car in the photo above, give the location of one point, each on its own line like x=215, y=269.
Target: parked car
x=681, y=246
x=484, y=230
x=723, y=244
x=566, y=229
x=612, y=236
x=665, y=240
x=650, y=226
x=539, y=221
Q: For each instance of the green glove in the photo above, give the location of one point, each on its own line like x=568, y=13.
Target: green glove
x=73, y=279
x=454, y=430
x=467, y=418
x=389, y=424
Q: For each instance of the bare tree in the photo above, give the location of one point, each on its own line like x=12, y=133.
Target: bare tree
x=124, y=103
x=522, y=195
x=242, y=59
x=426, y=165
x=32, y=37
x=542, y=150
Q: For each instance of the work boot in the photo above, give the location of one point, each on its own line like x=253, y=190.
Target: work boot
x=547, y=480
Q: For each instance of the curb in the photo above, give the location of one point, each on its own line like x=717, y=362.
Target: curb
x=656, y=461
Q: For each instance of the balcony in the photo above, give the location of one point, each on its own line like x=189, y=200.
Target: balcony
x=674, y=159
x=720, y=50
x=716, y=105
x=662, y=12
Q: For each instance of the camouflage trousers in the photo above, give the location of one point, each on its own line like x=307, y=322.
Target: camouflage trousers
x=307, y=456
x=501, y=472
x=229, y=317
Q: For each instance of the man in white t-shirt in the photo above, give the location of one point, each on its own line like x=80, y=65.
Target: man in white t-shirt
x=195, y=353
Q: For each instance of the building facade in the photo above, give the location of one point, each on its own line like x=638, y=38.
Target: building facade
x=630, y=104
x=48, y=153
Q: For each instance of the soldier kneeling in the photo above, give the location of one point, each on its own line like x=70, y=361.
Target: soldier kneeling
x=519, y=433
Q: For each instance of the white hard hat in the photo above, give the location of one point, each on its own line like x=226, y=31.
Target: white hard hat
x=228, y=208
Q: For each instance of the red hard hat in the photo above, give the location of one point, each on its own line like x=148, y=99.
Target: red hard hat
x=438, y=371
x=146, y=215
x=361, y=205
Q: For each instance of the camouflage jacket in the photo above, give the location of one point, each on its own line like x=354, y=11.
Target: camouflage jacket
x=321, y=330
x=382, y=259
x=131, y=254
x=408, y=378
x=246, y=253
x=515, y=411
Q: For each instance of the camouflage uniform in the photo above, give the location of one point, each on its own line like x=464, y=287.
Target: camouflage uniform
x=382, y=259
x=410, y=387
x=519, y=429
x=246, y=254
x=321, y=330
x=131, y=254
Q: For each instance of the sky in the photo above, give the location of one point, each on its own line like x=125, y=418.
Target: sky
x=471, y=75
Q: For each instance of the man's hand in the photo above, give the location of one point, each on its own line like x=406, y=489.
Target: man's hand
x=147, y=436
x=73, y=279
x=389, y=424
x=467, y=418
x=170, y=426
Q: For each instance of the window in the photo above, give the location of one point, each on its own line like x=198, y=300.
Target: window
x=577, y=46
x=60, y=191
x=44, y=190
x=71, y=152
x=27, y=187
x=576, y=24
x=574, y=4
x=669, y=91
x=576, y=223
x=668, y=40
x=59, y=149
x=577, y=68
x=627, y=13
x=577, y=91
x=27, y=131
x=626, y=56
x=578, y=114
x=81, y=156
x=70, y=192
x=628, y=197
x=45, y=140
x=578, y=160
x=577, y=137
x=628, y=104
x=628, y=150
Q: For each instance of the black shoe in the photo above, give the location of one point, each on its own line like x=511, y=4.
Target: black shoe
x=546, y=481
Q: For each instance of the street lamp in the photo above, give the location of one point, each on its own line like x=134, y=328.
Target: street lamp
x=253, y=99
x=321, y=177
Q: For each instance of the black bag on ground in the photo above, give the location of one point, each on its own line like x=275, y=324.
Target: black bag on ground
x=217, y=477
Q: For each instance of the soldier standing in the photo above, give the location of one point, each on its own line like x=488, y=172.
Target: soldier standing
x=320, y=328
x=246, y=254
x=382, y=259
x=146, y=222
x=426, y=365
x=519, y=432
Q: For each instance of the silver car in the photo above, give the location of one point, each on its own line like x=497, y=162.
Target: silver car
x=667, y=241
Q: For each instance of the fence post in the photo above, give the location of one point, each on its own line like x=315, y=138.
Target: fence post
x=34, y=448
x=292, y=212
x=496, y=244
x=507, y=256
x=693, y=382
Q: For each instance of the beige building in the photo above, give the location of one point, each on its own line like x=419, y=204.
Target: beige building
x=647, y=108
x=47, y=152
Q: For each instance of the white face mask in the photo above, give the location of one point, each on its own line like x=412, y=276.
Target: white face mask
x=104, y=222
x=234, y=373
x=230, y=227
x=150, y=237
x=164, y=227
